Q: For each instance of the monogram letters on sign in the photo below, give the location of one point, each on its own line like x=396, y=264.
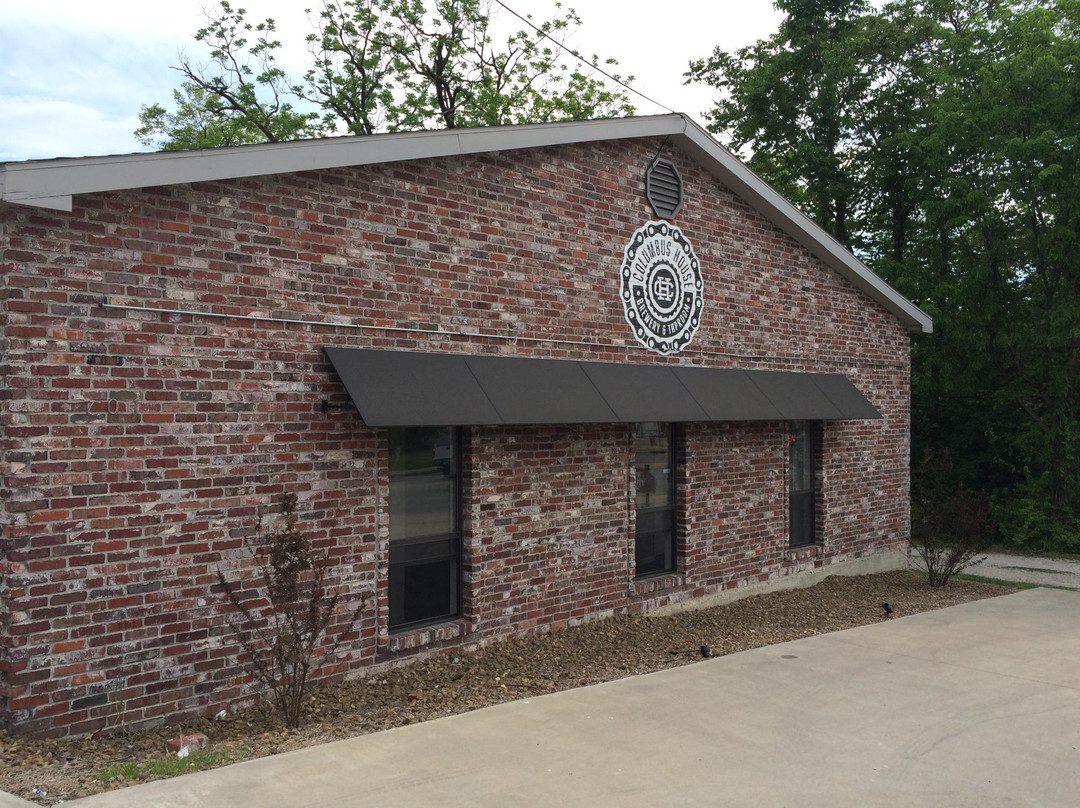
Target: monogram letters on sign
x=660, y=287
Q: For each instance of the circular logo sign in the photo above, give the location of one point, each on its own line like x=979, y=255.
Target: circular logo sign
x=660, y=287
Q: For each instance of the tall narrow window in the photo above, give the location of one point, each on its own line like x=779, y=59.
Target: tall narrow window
x=425, y=525
x=802, y=481
x=655, y=499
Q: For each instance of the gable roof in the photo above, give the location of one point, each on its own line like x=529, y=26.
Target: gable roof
x=53, y=183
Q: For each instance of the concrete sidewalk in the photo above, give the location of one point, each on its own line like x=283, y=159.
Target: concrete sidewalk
x=1030, y=569
x=976, y=705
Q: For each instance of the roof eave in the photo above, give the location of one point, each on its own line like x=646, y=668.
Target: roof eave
x=52, y=183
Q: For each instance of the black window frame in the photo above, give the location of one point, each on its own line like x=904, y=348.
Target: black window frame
x=803, y=519
x=666, y=540
x=403, y=554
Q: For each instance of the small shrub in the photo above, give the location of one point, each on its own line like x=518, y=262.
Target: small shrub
x=951, y=525
x=1026, y=520
x=282, y=634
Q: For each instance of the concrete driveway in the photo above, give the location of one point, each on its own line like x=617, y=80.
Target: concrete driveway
x=976, y=705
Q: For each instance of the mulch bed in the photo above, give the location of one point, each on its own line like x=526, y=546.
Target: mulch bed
x=457, y=682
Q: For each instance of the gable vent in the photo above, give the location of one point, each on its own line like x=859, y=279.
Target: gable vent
x=663, y=188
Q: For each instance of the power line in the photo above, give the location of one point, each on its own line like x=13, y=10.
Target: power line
x=577, y=56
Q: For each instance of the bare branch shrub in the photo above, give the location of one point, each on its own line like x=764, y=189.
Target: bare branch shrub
x=951, y=526
x=281, y=629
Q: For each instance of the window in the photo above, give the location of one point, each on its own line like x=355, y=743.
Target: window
x=802, y=447
x=425, y=525
x=655, y=499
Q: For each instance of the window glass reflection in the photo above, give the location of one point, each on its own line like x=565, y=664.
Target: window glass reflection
x=423, y=482
x=654, y=472
x=654, y=458
x=803, y=488
x=425, y=525
x=799, y=445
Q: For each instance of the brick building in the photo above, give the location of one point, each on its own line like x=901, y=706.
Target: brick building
x=518, y=378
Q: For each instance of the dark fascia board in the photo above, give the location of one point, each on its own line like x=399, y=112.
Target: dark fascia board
x=52, y=183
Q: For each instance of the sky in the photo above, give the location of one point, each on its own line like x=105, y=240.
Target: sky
x=74, y=74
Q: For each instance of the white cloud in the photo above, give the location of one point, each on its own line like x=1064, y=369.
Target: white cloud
x=67, y=93
x=75, y=73
x=36, y=129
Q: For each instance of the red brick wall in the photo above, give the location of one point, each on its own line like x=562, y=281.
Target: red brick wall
x=142, y=451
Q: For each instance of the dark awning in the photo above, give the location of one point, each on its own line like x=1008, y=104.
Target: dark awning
x=402, y=388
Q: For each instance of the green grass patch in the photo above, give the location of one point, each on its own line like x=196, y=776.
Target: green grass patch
x=1005, y=549
x=170, y=766
x=982, y=579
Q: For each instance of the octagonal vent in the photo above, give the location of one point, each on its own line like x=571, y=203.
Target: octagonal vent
x=663, y=188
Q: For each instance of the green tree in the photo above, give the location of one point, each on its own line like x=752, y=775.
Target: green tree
x=1018, y=106
x=240, y=96
x=938, y=138
x=796, y=100
x=200, y=121
x=453, y=75
x=375, y=64
x=352, y=66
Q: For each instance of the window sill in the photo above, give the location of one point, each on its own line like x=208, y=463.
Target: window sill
x=803, y=552
x=659, y=582
x=408, y=639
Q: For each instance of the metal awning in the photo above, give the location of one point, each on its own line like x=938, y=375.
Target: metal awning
x=403, y=388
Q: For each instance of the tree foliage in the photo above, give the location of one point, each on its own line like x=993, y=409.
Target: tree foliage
x=938, y=139
x=796, y=100
x=377, y=65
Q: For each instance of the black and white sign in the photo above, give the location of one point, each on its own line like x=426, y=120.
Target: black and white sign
x=661, y=287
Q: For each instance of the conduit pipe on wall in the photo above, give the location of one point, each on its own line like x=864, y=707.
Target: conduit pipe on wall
x=442, y=332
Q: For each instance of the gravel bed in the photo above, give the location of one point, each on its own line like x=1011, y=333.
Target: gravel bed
x=456, y=682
